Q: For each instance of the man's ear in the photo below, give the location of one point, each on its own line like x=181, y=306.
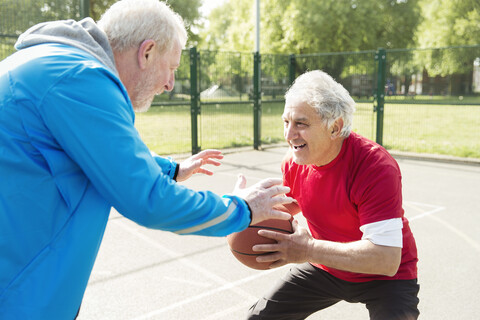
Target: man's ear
x=145, y=53
x=336, y=128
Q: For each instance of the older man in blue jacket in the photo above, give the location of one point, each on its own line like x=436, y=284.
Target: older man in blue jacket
x=69, y=151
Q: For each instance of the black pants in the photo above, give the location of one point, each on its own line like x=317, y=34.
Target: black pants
x=307, y=289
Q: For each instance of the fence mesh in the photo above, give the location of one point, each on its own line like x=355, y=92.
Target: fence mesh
x=226, y=87
x=432, y=96
x=275, y=80
x=432, y=102
x=16, y=16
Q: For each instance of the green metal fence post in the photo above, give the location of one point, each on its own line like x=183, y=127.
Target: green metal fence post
x=194, y=98
x=381, y=58
x=291, y=69
x=257, y=101
x=84, y=9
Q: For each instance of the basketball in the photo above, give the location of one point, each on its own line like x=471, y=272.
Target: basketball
x=241, y=243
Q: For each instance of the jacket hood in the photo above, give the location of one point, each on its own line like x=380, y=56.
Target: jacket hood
x=83, y=34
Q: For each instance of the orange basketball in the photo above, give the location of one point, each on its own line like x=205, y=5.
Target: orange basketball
x=241, y=243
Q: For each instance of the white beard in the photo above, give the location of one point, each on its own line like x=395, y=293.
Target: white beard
x=142, y=95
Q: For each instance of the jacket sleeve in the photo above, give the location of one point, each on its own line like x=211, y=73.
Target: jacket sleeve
x=168, y=165
x=89, y=114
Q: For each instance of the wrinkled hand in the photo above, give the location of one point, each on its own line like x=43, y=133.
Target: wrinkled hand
x=262, y=197
x=194, y=164
x=290, y=248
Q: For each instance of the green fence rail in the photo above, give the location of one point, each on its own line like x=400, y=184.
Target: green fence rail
x=417, y=100
x=403, y=102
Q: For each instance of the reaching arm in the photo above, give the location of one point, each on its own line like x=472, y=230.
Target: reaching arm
x=360, y=256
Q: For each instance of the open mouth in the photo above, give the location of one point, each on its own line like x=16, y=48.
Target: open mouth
x=298, y=147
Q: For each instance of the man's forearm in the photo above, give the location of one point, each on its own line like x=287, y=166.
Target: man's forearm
x=360, y=256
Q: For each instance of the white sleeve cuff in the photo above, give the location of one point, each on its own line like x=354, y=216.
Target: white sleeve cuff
x=384, y=233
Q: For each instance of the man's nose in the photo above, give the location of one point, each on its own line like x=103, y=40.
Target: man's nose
x=170, y=84
x=289, y=132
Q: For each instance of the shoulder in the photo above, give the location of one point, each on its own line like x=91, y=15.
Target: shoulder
x=374, y=175
x=367, y=154
x=57, y=76
x=372, y=172
x=46, y=65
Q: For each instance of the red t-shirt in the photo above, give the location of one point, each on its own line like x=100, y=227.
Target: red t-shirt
x=361, y=185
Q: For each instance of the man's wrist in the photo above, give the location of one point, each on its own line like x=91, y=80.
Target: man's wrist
x=251, y=212
x=176, y=172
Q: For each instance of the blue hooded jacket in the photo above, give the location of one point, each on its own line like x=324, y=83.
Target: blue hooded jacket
x=69, y=151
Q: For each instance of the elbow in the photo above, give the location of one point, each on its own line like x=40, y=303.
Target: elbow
x=140, y=214
x=391, y=266
x=390, y=271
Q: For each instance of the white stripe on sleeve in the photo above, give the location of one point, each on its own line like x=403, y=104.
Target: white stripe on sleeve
x=212, y=222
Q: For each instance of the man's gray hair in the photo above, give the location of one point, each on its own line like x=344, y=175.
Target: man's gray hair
x=128, y=23
x=329, y=98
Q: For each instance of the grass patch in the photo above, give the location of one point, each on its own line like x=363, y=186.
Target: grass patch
x=166, y=130
x=422, y=128
x=439, y=129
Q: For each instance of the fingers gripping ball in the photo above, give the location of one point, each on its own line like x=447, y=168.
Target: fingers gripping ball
x=241, y=243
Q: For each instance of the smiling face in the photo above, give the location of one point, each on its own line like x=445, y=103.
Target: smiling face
x=310, y=140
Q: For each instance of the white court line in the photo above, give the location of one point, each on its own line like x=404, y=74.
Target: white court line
x=210, y=275
x=184, y=261
x=435, y=209
x=459, y=233
x=234, y=285
x=227, y=286
x=418, y=205
x=188, y=282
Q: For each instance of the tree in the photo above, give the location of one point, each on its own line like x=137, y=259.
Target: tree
x=307, y=26
x=449, y=23
x=17, y=16
x=312, y=26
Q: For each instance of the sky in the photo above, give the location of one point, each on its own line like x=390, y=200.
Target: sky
x=208, y=5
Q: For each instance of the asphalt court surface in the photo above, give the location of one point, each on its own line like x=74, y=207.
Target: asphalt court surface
x=151, y=274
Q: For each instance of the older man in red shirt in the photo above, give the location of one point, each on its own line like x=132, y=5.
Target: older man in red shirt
x=360, y=247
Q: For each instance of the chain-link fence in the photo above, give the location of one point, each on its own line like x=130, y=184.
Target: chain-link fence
x=16, y=16
x=418, y=100
x=275, y=79
x=415, y=106
x=432, y=101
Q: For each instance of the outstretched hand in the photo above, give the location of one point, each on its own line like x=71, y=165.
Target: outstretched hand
x=262, y=197
x=194, y=164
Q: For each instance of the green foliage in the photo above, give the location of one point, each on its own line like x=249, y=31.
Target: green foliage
x=308, y=26
x=230, y=70
x=189, y=11
x=16, y=16
x=449, y=23
x=312, y=26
